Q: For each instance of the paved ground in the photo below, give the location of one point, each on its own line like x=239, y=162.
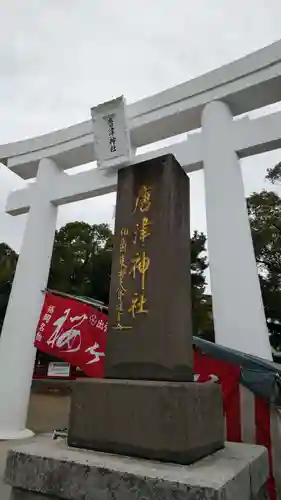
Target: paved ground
x=4, y=447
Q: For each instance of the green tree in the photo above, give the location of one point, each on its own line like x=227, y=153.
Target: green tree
x=202, y=317
x=81, y=260
x=8, y=262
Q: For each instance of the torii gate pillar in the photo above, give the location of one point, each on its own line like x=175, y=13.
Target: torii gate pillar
x=17, y=353
x=237, y=302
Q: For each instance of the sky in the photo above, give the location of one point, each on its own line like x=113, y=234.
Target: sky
x=59, y=58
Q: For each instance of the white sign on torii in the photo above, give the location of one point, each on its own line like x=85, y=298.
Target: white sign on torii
x=209, y=102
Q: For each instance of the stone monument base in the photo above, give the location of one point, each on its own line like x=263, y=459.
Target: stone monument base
x=169, y=421
x=50, y=470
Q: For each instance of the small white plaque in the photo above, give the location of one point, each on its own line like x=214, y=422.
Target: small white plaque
x=58, y=369
x=112, y=143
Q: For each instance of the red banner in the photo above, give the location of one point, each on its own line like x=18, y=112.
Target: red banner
x=248, y=418
x=73, y=331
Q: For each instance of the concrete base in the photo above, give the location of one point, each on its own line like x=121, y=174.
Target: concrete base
x=51, y=470
x=170, y=421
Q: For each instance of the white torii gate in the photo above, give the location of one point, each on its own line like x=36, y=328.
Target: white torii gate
x=208, y=102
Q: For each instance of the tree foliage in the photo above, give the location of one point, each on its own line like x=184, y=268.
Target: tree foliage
x=8, y=262
x=202, y=317
x=274, y=174
x=265, y=219
x=81, y=260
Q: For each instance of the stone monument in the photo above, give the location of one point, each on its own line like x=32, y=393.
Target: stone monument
x=148, y=405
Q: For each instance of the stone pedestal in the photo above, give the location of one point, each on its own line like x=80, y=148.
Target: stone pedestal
x=50, y=471
x=173, y=421
x=148, y=407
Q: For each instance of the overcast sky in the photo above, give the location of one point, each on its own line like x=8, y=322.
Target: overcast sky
x=60, y=57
